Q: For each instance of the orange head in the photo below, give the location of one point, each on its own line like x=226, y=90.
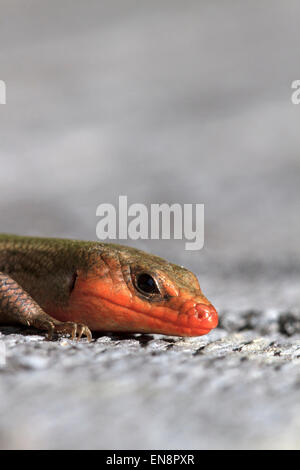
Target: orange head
x=124, y=289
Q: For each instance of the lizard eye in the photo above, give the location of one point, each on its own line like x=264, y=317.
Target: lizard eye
x=146, y=284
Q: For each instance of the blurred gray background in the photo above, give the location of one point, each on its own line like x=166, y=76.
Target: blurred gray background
x=162, y=101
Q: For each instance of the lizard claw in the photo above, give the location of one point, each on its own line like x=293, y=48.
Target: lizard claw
x=84, y=330
x=75, y=330
x=50, y=330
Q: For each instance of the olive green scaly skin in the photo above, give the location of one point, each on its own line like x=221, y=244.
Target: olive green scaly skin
x=43, y=266
x=35, y=271
x=46, y=266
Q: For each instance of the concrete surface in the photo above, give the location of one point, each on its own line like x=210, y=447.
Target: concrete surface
x=163, y=101
x=235, y=388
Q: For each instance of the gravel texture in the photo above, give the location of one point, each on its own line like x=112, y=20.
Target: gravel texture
x=237, y=387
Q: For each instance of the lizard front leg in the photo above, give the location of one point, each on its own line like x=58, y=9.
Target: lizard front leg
x=17, y=306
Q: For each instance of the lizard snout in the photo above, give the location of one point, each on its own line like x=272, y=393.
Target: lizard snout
x=204, y=315
x=207, y=314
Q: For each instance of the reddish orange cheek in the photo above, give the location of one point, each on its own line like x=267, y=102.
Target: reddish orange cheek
x=93, y=290
x=107, y=305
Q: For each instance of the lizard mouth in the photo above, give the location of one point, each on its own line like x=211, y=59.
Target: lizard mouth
x=198, y=320
x=194, y=316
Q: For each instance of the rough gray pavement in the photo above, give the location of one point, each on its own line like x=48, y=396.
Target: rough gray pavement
x=162, y=101
x=237, y=387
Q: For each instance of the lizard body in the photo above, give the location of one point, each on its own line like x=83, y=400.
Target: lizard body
x=75, y=287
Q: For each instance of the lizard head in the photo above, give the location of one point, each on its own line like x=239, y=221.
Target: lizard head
x=125, y=289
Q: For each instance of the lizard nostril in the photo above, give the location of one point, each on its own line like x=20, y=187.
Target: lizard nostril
x=208, y=314
x=202, y=315
x=203, y=311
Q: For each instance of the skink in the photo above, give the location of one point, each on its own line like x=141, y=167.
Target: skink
x=75, y=287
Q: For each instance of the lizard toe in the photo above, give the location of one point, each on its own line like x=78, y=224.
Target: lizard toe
x=74, y=330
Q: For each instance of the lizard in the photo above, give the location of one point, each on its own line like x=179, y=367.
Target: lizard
x=73, y=287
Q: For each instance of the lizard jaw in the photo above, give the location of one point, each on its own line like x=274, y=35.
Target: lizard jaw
x=103, y=310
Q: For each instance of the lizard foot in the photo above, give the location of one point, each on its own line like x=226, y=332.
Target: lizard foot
x=75, y=330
